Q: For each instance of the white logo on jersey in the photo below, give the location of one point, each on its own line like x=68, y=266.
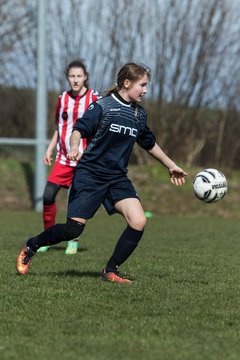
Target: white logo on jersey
x=123, y=130
x=91, y=107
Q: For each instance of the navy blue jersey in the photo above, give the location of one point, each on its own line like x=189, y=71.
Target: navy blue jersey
x=112, y=126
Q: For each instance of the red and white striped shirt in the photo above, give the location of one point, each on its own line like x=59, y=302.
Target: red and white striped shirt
x=69, y=109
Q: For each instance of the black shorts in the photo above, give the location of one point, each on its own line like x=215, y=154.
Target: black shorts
x=89, y=192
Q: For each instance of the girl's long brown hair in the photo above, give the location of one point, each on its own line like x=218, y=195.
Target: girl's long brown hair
x=131, y=71
x=78, y=64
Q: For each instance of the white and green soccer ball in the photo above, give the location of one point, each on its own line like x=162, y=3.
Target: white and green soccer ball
x=210, y=185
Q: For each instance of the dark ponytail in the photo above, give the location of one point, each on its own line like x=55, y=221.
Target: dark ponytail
x=111, y=90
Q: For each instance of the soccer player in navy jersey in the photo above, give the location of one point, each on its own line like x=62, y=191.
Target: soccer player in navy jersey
x=70, y=106
x=112, y=125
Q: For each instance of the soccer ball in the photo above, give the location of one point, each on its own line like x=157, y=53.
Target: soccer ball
x=210, y=185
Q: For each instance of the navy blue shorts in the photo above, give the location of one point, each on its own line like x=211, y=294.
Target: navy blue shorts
x=89, y=192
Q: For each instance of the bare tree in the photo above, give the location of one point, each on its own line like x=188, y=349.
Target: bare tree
x=17, y=19
x=190, y=44
x=192, y=47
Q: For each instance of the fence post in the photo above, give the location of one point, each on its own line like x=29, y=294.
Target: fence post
x=41, y=108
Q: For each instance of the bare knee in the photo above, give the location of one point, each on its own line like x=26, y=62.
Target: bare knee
x=138, y=223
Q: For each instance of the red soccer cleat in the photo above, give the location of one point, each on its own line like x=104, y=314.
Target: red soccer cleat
x=114, y=277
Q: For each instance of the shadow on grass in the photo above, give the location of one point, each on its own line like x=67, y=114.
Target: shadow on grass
x=74, y=273
x=63, y=248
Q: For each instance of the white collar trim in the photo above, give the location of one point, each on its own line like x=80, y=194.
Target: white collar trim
x=122, y=103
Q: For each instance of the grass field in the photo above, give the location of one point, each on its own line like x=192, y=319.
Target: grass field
x=158, y=195
x=184, y=304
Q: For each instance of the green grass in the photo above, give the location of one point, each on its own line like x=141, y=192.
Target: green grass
x=184, y=304
x=161, y=197
x=152, y=183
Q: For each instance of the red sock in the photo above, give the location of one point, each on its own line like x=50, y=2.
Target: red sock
x=49, y=215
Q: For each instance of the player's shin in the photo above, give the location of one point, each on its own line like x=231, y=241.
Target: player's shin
x=126, y=244
x=49, y=215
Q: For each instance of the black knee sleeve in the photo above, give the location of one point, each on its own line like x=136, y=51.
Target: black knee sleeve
x=71, y=230
x=56, y=233
x=50, y=193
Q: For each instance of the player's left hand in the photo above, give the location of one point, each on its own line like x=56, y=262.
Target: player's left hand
x=177, y=175
x=74, y=155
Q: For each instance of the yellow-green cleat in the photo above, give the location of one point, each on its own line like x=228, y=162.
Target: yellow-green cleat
x=43, y=249
x=72, y=247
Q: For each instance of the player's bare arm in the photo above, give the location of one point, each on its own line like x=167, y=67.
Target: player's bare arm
x=48, y=158
x=177, y=174
x=75, y=138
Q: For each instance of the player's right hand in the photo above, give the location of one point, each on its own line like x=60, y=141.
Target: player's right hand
x=48, y=159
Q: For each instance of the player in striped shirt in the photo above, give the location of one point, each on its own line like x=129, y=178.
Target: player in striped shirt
x=71, y=106
x=113, y=125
